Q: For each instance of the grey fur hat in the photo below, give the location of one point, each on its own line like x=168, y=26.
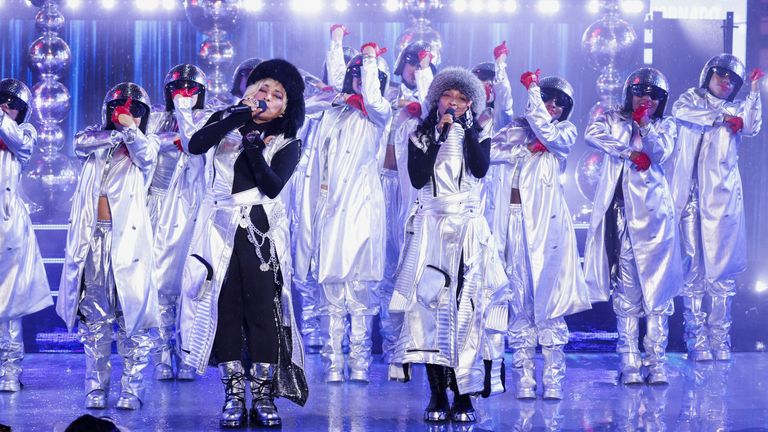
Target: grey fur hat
x=461, y=79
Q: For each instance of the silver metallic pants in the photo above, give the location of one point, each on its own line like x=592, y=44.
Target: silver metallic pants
x=524, y=334
x=166, y=346
x=361, y=301
x=629, y=305
x=11, y=352
x=390, y=325
x=311, y=307
x=702, y=332
x=99, y=310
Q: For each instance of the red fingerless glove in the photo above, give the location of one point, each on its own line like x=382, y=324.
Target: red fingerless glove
x=640, y=112
x=756, y=74
x=375, y=46
x=413, y=109
x=641, y=161
x=735, y=123
x=537, y=147
x=185, y=92
x=177, y=143
x=425, y=53
x=341, y=26
x=124, y=109
x=528, y=78
x=356, y=101
x=499, y=50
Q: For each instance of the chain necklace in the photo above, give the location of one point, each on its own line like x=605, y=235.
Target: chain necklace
x=257, y=238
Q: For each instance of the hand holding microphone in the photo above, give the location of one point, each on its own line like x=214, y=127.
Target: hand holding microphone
x=446, y=122
x=238, y=109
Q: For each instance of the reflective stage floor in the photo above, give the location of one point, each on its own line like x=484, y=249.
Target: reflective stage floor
x=701, y=397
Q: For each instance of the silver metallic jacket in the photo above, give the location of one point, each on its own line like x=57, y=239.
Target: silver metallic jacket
x=179, y=185
x=558, y=281
x=211, y=250
x=445, y=225
x=23, y=284
x=648, y=205
x=126, y=184
x=348, y=227
x=707, y=152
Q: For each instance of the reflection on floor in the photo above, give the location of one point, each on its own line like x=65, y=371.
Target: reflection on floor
x=701, y=397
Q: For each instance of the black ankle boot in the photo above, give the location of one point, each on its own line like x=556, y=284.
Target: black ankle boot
x=438, y=408
x=462, y=410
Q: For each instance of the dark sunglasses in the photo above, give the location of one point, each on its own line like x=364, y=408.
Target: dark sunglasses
x=653, y=92
x=728, y=74
x=183, y=84
x=561, y=100
x=12, y=102
x=137, y=109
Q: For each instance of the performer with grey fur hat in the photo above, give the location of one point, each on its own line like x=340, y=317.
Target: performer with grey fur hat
x=450, y=291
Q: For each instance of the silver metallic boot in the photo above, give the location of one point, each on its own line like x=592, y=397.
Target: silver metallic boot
x=135, y=353
x=655, y=344
x=524, y=368
x=360, y=345
x=554, y=371
x=233, y=377
x=185, y=372
x=629, y=352
x=695, y=328
x=162, y=349
x=333, y=328
x=720, y=326
x=97, y=344
x=263, y=409
x=11, y=354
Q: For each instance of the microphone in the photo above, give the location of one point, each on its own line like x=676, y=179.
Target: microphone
x=447, y=127
x=237, y=109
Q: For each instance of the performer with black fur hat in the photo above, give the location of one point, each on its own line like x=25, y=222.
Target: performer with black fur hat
x=236, y=284
x=177, y=188
x=534, y=230
x=450, y=291
x=23, y=284
x=107, y=274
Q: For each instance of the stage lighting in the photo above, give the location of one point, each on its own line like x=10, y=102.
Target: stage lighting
x=760, y=286
x=459, y=6
x=493, y=6
x=108, y=4
x=510, y=6
x=548, y=7
x=146, y=5
x=169, y=4
x=478, y=6
x=74, y=4
x=392, y=5
x=760, y=346
x=340, y=5
x=593, y=6
x=252, y=5
x=632, y=6
x=306, y=6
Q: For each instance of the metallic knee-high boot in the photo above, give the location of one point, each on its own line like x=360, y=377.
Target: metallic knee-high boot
x=627, y=327
x=263, y=409
x=524, y=368
x=438, y=408
x=162, y=349
x=11, y=354
x=462, y=410
x=333, y=328
x=135, y=353
x=655, y=344
x=360, y=345
x=233, y=377
x=185, y=372
x=554, y=371
x=97, y=344
x=720, y=326
x=695, y=327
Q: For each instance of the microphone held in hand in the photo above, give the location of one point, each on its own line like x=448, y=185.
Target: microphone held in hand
x=447, y=126
x=237, y=109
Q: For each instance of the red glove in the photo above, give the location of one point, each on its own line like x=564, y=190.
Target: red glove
x=413, y=109
x=356, y=101
x=528, y=78
x=177, y=143
x=327, y=89
x=2, y=145
x=537, y=147
x=425, y=53
x=375, y=46
x=756, y=74
x=641, y=160
x=488, y=90
x=124, y=109
x=341, y=26
x=499, y=50
x=735, y=123
x=185, y=92
x=641, y=112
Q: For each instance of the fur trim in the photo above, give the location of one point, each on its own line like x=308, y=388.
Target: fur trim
x=287, y=74
x=461, y=79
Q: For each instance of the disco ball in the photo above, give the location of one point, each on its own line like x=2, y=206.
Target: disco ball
x=421, y=31
x=588, y=173
x=51, y=101
x=50, y=182
x=609, y=81
x=216, y=83
x=216, y=52
x=49, y=55
x=49, y=19
x=206, y=15
x=50, y=138
x=41, y=3
x=608, y=41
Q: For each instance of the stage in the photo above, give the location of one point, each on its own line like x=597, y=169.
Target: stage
x=705, y=396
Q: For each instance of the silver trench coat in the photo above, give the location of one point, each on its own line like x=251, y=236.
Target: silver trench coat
x=648, y=203
x=23, y=284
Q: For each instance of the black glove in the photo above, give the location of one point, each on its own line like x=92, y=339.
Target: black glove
x=253, y=141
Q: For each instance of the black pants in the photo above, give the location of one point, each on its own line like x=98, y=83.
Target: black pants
x=246, y=304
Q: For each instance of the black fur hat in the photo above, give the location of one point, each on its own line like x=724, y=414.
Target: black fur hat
x=287, y=74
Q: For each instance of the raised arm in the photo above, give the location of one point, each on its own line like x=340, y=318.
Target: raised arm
x=19, y=139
